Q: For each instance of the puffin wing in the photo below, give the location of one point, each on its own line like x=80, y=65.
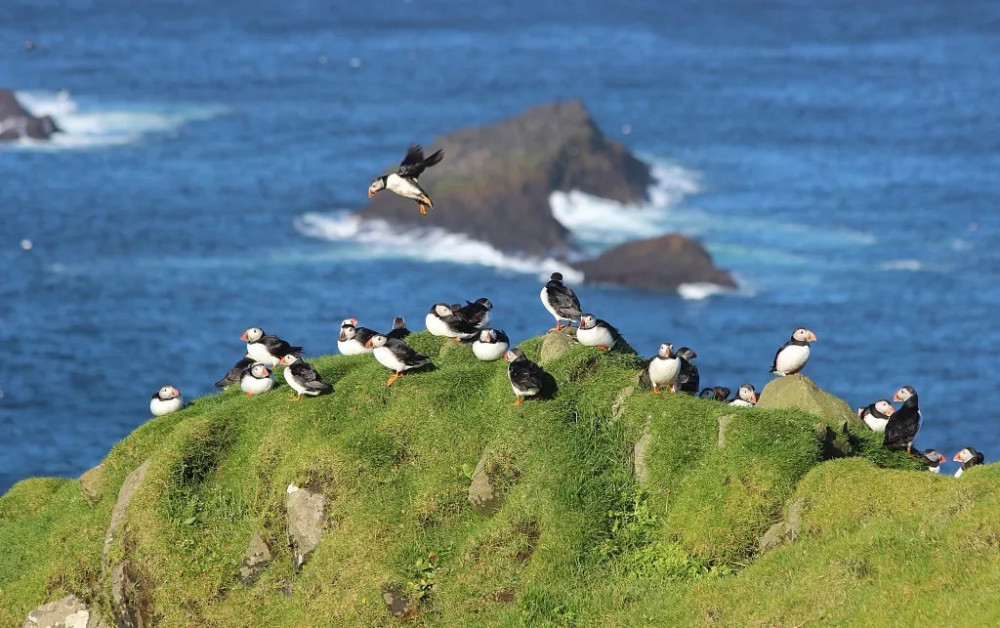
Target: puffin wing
x=277, y=346
x=774, y=362
x=502, y=337
x=406, y=354
x=564, y=301
x=460, y=324
x=614, y=330
x=688, y=379
x=526, y=374
x=414, y=164
x=235, y=374
x=902, y=427
x=306, y=375
x=399, y=333
x=472, y=312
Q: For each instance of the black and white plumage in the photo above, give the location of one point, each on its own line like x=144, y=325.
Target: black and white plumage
x=442, y=321
x=933, y=459
x=491, y=345
x=688, y=380
x=404, y=181
x=969, y=458
x=476, y=312
x=265, y=348
x=352, y=339
x=793, y=355
x=526, y=377
x=561, y=302
x=256, y=380
x=594, y=332
x=396, y=355
x=746, y=397
x=303, y=377
x=876, y=415
x=904, y=424
x=166, y=400
x=399, y=329
x=235, y=373
x=719, y=393
x=663, y=369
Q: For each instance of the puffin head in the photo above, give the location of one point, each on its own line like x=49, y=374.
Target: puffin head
x=441, y=309
x=485, y=303
x=513, y=355
x=934, y=457
x=707, y=393
x=289, y=359
x=399, y=322
x=377, y=186
x=666, y=351
x=347, y=331
x=883, y=406
x=968, y=455
x=168, y=392
x=556, y=277
x=587, y=321
x=747, y=393
x=488, y=336
x=687, y=354
x=252, y=335
x=721, y=393
x=376, y=341
x=259, y=371
x=803, y=335
x=353, y=322
x=904, y=393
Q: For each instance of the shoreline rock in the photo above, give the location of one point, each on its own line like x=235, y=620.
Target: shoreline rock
x=17, y=122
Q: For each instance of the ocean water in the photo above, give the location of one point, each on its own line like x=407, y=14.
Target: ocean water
x=840, y=158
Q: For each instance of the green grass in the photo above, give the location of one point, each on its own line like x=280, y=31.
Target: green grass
x=576, y=542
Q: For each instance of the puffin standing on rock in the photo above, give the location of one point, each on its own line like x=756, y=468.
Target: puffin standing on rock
x=746, y=397
x=166, y=400
x=303, y=377
x=904, y=423
x=876, y=415
x=525, y=376
x=396, y=355
x=235, y=373
x=664, y=368
x=442, y=321
x=404, y=181
x=399, y=329
x=265, y=348
x=491, y=345
x=793, y=355
x=352, y=338
x=594, y=332
x=256, y=380
x=688, y=379
x=969, y=457
x=561, y=302
x=933, y=460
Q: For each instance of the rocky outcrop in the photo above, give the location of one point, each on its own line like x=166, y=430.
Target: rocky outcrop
x=798, y=392
x=784, y=531
x=67, y=612
x=306, y=511
x=256, y=560
x=495, y=180
x=91, y=484
x=557, y=344
x=17, y=122
x=493, y=477
x=639, y=452
x=125, y=494
x=661, y=263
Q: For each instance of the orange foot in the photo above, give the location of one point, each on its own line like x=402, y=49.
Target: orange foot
x=603, y=348
x=656, y=391
x=423, y=209
x=393, y=378
x=519, y=401
x=296, y=398
x=457, y=339
x=249, y=394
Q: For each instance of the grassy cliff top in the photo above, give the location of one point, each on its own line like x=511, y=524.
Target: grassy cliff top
x=611, y=507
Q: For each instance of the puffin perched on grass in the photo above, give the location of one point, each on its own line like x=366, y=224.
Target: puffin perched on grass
x=491, y=345
x=719, y=393
x=303, y=377
x=399, y=329
x=256, y=380
x=404, y=181
x=476, y=312
x=969, y=458
x=265, y=348
x=594, y=332
x=396, y=355
x=663, y=369
x=688, y=379
x=793, y=355
x=525, y=376
x=876, y=415
x=352, y=338
x=442, y=321
x=904, y=424
x=933, y=460
x=166, y=400
x=235, y=373
x=560, y=301
x=746, y=397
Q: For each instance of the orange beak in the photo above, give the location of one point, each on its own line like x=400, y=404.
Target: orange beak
x=890, y=412
x=354, y=322
x=267, y=373
x=243, y=336
x=896, y=397
x=956, y=458
x=370, y=195
x=942, y=458
x=753, y=397
x=176, y=392
x=812, y=337
x=342, y=338
x=368, y=343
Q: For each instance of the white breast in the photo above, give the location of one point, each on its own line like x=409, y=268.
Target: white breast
x=291, y=382
x=437, y=326
x=936, y=469
x=401, y=186
x=741, y=403
x=352, y=347
x=595, y=336
x=388, y=359
x=875, y=423
x=664, y=372
x=791, y=359
x=259, y=353
x=254, y=386
x=160, y=407
x=489, y=352
x=959, y=473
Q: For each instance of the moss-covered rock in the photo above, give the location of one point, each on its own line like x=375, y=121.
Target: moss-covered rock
x=798, y=392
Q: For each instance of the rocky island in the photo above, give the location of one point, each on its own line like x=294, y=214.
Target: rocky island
x=16, y=122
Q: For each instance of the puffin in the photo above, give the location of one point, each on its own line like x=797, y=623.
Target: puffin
x=933, y=460
x=352, y=338
x=396, y=355
x=476, y=312
x=663, y=369
x=404, y=181
x=708, y=393
x=399, y=329
x=746, y=397
x=265, y=348
x=594, y=332
x=793, y=355
x=303, y=377
x=969, y=457
x=442, y=321
x=688, y=379
x=876, y=415
x=561, y=302
x=904, y=423
x=235, y=373
x=491, y=345
x=525, y=376
x=256, y=380
x=166, y=400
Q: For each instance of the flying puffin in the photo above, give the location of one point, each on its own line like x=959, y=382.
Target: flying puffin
x=905, y=422
x=746, y=397
x=265, y=348
x=793, y=355
x=235, y=373
x=476, y=312
x=303, y=378
x=352, y=338
x=396, y=355
x=404, y=180
x=876, y=415
x=969, y=457
x=441, y=321
x=525, y=376
x=560, y=301
x=933, y=460
x=688, y=379
x=166, y=400
x=399, y=329
x=663, y=369
x=594, y=332
x=256, y=380
x=491, y=345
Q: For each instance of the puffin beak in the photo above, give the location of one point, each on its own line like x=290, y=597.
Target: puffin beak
x=693, y=355
x=896, y=397
x=753, y=397
x=342, y=337
x=243, y=336
x=267, y=373
x=890, y=412
x=942, y=458
x=176, y=392
x=354, y=322
x=956, y=458
x=368, y=343
x=812, y=337
x=370, y=195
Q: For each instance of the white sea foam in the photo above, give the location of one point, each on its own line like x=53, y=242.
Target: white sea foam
x=902, y=264
x=96, y=126
x=700, y=291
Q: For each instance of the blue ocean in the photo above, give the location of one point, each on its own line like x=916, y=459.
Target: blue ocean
x=839, y=158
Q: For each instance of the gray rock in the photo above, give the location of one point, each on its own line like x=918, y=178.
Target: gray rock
x=484, y=497
x=306, y=512
x=91, y=484
x=127, y=594
x=557, y=344
x=798, y=392
x=784, y=531
x=17, y=122
x=639, y=456
x=257, y=558
x=67, y=612
x=724, y=422
x=125, y=494
x=618, y=407
x=398, y=603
